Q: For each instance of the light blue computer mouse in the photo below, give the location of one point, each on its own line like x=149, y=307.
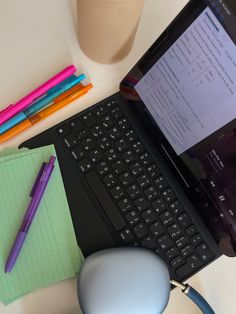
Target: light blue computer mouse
x=123, y=281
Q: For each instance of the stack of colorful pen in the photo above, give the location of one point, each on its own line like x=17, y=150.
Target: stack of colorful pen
x=48, y=98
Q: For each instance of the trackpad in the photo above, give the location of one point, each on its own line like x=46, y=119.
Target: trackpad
x=91, y=231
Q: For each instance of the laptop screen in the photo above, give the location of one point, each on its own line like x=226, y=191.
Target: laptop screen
x=184, y=93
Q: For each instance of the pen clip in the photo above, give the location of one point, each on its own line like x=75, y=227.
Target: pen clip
x=38, y=179
x=62, y=84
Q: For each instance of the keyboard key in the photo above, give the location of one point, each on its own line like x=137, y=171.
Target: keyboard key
x=114, y=134
x=204, y=252
x=156, y=229
x=63, y=130
x=134, y=244
x=125, y=205
x=190, y=231
x=172, y=253
x=138, y=147
x=143, y=181
x=148, y=243
x=77, y=153
x=165, y=242
x=153, y=170
x=161, y=183
x=81, y=135
x=132, y=218
x=136, y=169
x=192, y=265
x=118, y=167
x=196, y=239
x=104, y=143
x=116, y=112
x=129, y=157
x=194, y=261
x=133, y=191
x=76, y=125
x=169, y=195
x=105, y=201
x=159, y=205
x=102, y=168
x=126, y=236
x=117, y=192
x=151, y=193
x=100, y=111
x=109, y=180
x=184, y=220
x=131, y=135
x=123, y=124
x=157, y=250
x=95, y=156
x=149, y=216
x=70, y=141
x=166, y=218
x=187, y=250
x=141, y=203
x=174, y=231
x=88, y=144
x=145, y=158
x=107, y=122
x=140, y=231
x=111, y=155
x=84, y=165
x=111, y=103
x=97, y=132
x=176, y=207
x=122, y=145
x=88, y=119
x=177, y=262
x=181, y=242
x=126, y=179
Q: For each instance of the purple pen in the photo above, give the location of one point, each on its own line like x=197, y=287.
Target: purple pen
x=36, y=194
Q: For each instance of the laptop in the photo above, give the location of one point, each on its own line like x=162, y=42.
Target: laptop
x=154, y=165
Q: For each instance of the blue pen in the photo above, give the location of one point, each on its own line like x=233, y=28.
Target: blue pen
x=60, y=85
x=41, y=103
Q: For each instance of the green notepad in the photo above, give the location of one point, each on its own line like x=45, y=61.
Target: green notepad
x=50, y=253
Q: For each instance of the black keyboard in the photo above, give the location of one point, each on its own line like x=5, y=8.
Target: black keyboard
x=135, y=195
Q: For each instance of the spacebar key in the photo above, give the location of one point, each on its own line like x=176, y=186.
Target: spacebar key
x=105, y=200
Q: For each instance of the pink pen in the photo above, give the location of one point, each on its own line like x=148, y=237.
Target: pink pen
x=13, y=109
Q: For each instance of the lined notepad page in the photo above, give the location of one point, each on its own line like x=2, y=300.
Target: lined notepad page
x=50, y=253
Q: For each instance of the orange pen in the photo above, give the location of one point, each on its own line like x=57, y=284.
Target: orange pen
x=70, y=91
x=58, y=104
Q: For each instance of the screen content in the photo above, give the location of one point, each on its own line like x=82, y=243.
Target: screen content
x=190, y=91
x=186, y=98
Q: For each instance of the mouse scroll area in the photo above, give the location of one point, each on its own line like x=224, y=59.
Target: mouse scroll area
x=124, y=281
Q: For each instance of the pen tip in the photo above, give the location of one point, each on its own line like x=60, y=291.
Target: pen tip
x=8, y=268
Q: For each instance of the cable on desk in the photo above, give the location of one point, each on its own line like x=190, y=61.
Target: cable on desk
x=196, y=297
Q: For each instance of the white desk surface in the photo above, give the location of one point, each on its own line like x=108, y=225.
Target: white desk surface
x=38, y=38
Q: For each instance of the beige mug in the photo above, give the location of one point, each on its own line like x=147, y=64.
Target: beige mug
x=107, y=28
